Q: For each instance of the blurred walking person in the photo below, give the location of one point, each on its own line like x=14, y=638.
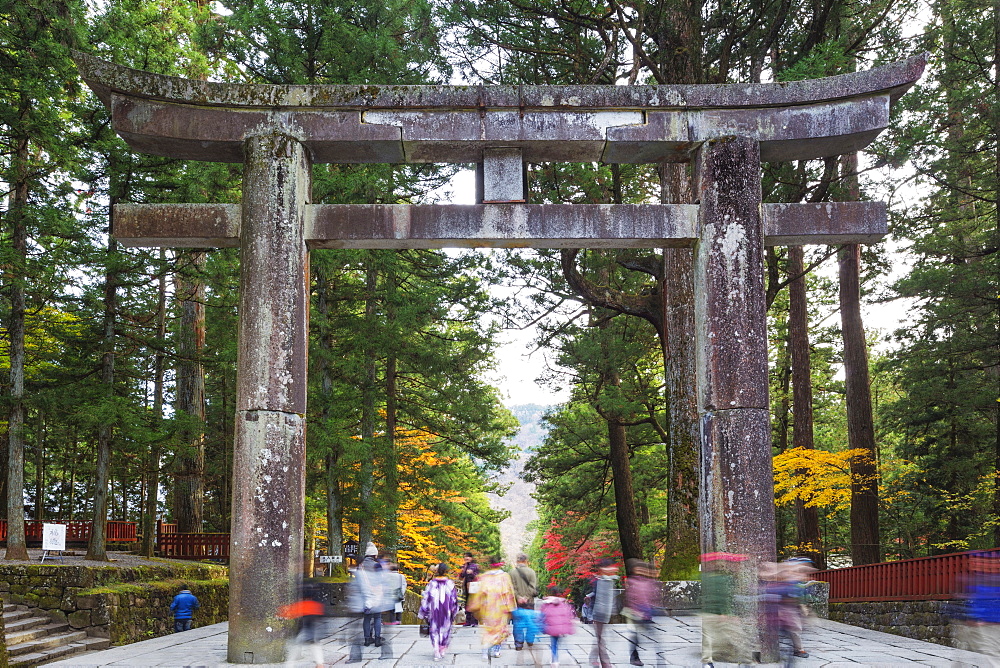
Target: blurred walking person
x=604, y=606
x=980, y=628
x=438, y=606
x=397, y=594
x=309, y=611
x=782, y=596
x=525, y=589
x=469, y=575
x=493, y=605
x=642, y=594
x=368, y=595
x=721, y=634
x=557, y=619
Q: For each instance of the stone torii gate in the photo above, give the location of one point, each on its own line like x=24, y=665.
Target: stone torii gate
x=278, y=132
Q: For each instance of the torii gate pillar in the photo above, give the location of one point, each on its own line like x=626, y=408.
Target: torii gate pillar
x=269, y=454
x=737, y=491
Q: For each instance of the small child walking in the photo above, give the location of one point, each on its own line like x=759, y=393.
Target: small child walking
x=558, y=617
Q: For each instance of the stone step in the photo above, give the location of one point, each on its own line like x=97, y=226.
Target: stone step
x=76, y=649
x=24, y=623
x=39, y=645
x=14, y=615
x=50, y=627
x=44, y=656
x=13, y=607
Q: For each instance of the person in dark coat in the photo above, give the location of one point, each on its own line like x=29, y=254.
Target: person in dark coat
x=183, y=607
x=469, y=574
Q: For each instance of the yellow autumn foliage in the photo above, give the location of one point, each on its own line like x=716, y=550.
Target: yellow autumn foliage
x=816, y=477
x=425, y=536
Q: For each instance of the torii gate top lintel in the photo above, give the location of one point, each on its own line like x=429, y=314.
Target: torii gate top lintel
x=204, y=120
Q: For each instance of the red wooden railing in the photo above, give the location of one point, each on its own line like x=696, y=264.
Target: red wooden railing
x=78, y=531
x=165, y=527
x=926, y=578
x=170, y=543
x=193, y=545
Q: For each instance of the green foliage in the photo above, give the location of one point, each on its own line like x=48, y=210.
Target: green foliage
x=943, y=413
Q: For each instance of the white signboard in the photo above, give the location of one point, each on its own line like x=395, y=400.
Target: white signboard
x=54, y=537
x=330, y=559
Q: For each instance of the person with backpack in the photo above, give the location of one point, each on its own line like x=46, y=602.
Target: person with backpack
x=557, y=620
x=525, y=589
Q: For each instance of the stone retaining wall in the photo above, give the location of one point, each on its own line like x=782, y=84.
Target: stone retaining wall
x=922, y=620
x=123, y=604
x=683, y=597
x=128, y=613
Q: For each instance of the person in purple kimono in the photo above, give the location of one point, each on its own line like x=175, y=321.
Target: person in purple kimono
x=438, y=606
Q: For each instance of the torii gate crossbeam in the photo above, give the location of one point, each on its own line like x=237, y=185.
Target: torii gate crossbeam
x=277, y=132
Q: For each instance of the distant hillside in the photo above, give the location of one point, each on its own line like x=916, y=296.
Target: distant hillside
x=513, y=535
x=531, y=433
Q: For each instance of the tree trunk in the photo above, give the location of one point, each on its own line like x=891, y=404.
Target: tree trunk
x=153, y=458
x=16, y=546
x=309, y=556
x=72, y=477
x=391, y=466
x=995, y=107
x=40, y=468
x=225, y=503
x=189, y=475
x=681, y=557
x=621, y=469
x=366, y=482
x=865, y=543
x=96, y=546
x=334, y=502
x=807, y=518
x=4, y=455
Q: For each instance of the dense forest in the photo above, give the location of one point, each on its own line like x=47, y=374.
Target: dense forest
x=118, y=379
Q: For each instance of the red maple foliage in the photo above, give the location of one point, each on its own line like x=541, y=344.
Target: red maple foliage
x=569, y=558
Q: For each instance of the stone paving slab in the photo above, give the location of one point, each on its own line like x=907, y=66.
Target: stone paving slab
x=672, y=643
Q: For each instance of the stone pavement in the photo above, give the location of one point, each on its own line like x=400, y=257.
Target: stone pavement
x=677, y=644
